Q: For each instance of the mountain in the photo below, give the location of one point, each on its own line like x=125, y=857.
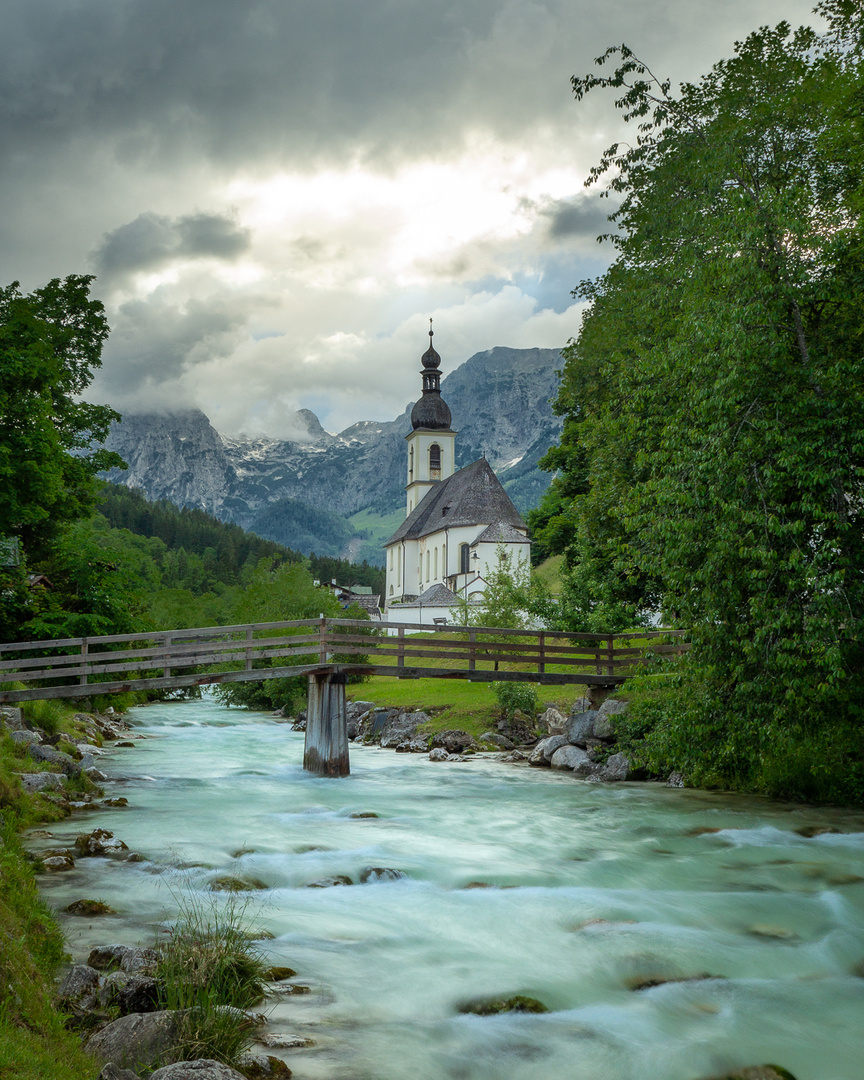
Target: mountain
x=300, y=492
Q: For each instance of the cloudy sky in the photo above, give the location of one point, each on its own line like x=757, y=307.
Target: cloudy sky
x=276, y=195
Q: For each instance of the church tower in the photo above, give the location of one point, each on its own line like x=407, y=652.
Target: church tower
x=431, y=444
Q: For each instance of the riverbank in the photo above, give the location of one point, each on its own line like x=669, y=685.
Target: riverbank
x=34, y=1043
x=604, y=902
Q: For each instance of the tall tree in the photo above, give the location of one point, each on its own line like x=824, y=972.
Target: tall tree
x=714, y=394
x=50, y=344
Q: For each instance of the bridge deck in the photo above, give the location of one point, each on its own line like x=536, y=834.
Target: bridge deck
x=174, y=659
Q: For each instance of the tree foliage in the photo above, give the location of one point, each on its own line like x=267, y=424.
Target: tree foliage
x=713, y=450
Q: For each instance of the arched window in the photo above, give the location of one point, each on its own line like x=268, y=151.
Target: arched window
x=464, y=557
x=435, y=461
x=427, y=565
x=435, y=565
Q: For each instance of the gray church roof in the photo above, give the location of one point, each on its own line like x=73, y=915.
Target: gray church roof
x=472, y=496
x=436, y=596
x=499, y=532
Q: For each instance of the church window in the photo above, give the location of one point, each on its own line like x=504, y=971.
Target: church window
x=434, y=462
x=464, y=556
x=435, y=564
x=427, y=565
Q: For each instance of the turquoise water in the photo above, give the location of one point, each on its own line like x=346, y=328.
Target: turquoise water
x=594, y=888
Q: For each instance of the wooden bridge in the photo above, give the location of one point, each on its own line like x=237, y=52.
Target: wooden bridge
x=327, y=651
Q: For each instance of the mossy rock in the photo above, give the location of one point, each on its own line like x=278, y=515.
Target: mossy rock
x=365, y=814
x=90, y=908
x=232, y=883
x=119, y=801
x=277, y=974
x=262, y=1067
x=519, y=1003
x=758, y=1072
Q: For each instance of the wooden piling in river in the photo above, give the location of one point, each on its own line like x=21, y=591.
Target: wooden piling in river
x=326, y=748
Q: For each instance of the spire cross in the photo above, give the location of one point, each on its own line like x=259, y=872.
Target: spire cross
x=430, y=331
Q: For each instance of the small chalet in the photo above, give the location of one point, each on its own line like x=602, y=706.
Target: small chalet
x=456, y=521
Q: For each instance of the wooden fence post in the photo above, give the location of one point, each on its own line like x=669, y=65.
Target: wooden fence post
x=472, y=650
x=610, y=655
x=322, y=640
x=541, y=662
x=400, y=658
x=166, y=667
x=82, y=679
x=325, y=751
x=249, y=649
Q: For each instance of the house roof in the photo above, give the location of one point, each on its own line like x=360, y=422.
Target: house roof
x=472, y=496
x=499, y=532
x=435, y=596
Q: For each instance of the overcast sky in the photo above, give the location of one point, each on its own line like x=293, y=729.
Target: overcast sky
x=276, y=195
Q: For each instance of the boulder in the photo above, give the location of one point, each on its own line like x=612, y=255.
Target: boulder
x=580, y=705
x=417, y=745
x=99, y=842
x=263, y=1067
x=573, y=758
x=55, y=863
x=137, y=994
x=235, y=883
x=675, y=779
x=96, y=775
x=581, y=727
x=552, y=745
x=25, y=738
x=125, y=957
x=137, y=1041
x=553, y=722
x=494, y=1006
x=616, y=768
x=401, y=727
x=202, y=1069
x=41, y=781
x=496, y=739
x=538, y=754
x=438, y=754
x=114, y=1072
x=88, y=908
x=454, y=742
x=66, y=764
x=276, y=1041
x=604, y=724
x=330, y=882
x=517, y=732
x=10, y=718
x=80, y=987
x=380, y=873
x=758, y=1072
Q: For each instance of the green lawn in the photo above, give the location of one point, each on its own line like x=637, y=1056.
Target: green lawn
x=452, y=703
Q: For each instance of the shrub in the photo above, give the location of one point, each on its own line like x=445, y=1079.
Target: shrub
x=211, y=969
x=513, y=697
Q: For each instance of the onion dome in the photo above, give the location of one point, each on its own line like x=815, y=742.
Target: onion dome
x=431, y=411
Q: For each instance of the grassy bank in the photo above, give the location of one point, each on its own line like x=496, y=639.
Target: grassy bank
x=452, y=703
x=33, y=1041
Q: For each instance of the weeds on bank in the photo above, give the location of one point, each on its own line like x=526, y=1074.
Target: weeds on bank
x=210, y=970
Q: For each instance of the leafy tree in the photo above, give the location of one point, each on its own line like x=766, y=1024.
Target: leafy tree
x=50, y=344
x=714, y=397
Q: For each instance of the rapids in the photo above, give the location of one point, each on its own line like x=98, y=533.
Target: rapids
x=591, y=889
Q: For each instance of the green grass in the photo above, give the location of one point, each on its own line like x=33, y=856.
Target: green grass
x=549, y=572
x=33, y=1042
x=210, y=969
x=452, y=703
x=379, y=526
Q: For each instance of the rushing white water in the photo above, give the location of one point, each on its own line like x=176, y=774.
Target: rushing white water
x=596, y=887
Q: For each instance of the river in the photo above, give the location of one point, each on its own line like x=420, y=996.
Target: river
x=596, y=889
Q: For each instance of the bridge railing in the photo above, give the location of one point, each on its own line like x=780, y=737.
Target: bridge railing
x=172, y=659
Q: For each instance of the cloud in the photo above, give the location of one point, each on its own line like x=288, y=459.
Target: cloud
x=362, y=165
x=153, y=240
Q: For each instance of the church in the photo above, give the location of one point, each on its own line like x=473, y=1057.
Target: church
x=456, y=523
